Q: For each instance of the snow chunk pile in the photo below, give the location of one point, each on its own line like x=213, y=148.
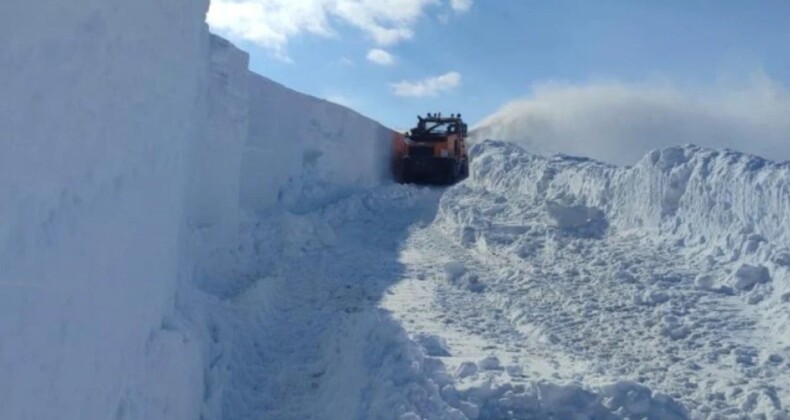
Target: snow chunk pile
x=731, y=205
x=747, y=276
x=671, y=274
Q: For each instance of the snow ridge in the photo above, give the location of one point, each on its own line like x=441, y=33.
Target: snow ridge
x=723, y=201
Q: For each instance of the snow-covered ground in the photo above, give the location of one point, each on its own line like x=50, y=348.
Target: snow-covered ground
x=542, y=286
x=671, y=274
x=181, y=238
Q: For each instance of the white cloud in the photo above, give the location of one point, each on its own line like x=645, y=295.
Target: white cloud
x=380, y=57
x=271, y=23
x=268, y=23
x=619, y=123
x=427, y=87
x=461, y=6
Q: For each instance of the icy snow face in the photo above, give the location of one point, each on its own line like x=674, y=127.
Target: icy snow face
x=213, y=189
x=302, y=150
x=99, y=104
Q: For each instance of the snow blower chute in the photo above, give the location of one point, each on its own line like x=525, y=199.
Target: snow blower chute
x=432, y=152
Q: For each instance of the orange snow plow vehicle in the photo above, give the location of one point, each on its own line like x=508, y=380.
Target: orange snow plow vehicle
x=432, y=152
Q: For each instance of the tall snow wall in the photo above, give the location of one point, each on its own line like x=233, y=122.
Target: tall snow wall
x=297, y=152
x=129, y=136
x=300, y=146
x=97, y=113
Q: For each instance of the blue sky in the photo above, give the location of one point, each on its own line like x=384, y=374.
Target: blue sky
x=491, y=52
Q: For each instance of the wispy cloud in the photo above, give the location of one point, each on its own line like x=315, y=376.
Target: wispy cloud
x=457, y=7
x=380, y=57
x=620, y=122
x=461, y=6
x=271, y=23
x=431, y=86
x=346, y=62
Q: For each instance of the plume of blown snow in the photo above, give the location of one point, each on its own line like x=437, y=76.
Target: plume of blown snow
x=619, y=122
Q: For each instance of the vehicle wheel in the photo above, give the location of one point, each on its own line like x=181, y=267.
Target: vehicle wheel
x=452, y=175
x=464, y=169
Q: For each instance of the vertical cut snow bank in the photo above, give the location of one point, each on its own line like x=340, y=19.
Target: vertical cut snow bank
x=302, y=149
x=132, y=144
x=100, y=102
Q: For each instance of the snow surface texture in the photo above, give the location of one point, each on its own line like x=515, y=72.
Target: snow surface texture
x=539, y=288
x=671, y=275
x=327, y=339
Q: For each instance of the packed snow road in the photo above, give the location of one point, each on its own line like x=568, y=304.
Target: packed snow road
x=522, y=292
x=307, y=339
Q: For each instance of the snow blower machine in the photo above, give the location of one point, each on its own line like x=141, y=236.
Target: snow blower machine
x=433, y=152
